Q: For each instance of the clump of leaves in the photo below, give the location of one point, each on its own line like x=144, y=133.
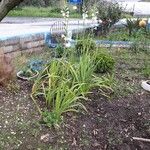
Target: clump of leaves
x=6, y=69
x=85, y=45
x=132, y=25
x=50, y=118
x=59, y=51
x=104, y=63
x=109, y=13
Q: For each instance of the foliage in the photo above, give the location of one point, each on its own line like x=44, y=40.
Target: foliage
x=58, y=89
x=50, y=118
x=30, y=11
x=59, y=51
x=55, y=10
x=82, y=73
x=6, y=69
x=132, y=25
x=63, y=84
x=85, y=45
x=109, y=13
x=104, y=63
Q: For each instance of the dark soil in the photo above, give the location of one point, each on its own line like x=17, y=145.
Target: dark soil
x=108, y=125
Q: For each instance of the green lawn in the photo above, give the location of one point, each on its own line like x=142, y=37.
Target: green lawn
x=40, y=12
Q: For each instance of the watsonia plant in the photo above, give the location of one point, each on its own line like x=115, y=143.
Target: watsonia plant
x=63, y=84
x=55, y=84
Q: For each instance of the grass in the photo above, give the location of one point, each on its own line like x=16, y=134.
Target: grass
x=122, y=35
x=131, y=67
x=40, y=12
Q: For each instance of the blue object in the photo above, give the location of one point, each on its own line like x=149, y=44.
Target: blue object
x=51, y=43
x=37, y=65
x=75, y=1
x=112, y=42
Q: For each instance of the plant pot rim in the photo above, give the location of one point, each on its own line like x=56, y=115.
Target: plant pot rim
x=26, y=78
x=145, y=85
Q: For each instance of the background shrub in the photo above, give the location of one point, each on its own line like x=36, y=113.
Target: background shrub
x=104, y=63
x=6, y=69
x=85, y=45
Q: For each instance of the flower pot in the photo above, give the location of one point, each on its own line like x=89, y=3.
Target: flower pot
x=21, y=76
x=146, y=85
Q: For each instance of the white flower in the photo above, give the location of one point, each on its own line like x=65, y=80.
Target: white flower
x=67, y=12
x=68, y=44
x=63, y=14
x=84, y=15
x=62, y=36
x=74, y=7
x=67, y=15
x=93, y=15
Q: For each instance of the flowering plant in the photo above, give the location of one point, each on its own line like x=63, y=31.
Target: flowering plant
x=65, y=12
x=68, y=34
x=85, y=13
x=94, y=14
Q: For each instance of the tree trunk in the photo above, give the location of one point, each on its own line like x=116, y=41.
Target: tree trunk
x=6, y=6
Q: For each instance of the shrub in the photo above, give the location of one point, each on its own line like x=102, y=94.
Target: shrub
x=109, y=13
x=104, y=63
x=132, y=25
x=6, y=69
x=85, y=45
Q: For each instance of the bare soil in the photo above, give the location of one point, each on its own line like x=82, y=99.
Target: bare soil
x=109, y=124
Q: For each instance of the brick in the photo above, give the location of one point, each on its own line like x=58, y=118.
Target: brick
x=14, y=54
x=12, y=48
x=32, y=38
x=33, y=50
x=32, y=44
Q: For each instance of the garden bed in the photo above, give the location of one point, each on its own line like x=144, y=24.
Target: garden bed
x=110, y=123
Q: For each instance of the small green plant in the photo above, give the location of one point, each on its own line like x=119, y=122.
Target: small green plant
x=104, y=63
x=59, y=51
x=132, y=25
x=50, y=118
x=85, y=45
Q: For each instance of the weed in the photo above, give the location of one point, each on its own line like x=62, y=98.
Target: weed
x=104, y=63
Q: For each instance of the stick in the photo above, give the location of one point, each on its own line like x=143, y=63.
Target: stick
x=141, y=139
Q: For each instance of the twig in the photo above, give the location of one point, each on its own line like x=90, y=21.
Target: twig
x=141, y=139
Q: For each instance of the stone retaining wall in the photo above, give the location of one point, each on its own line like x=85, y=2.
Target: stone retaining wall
x=18, y=45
